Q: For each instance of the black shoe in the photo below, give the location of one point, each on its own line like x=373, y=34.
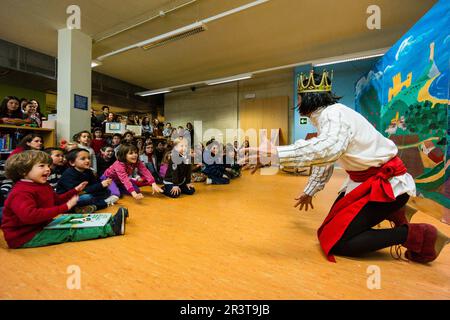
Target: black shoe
x=124, y=210
x=118, y=223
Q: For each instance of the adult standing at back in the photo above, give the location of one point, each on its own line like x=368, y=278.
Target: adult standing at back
x=103, y=116
x=190, y=128
x=110, y=118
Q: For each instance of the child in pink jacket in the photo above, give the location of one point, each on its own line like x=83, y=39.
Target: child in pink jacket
x=122, y=170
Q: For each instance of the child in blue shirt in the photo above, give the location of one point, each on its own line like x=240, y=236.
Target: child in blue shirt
x=96, y=194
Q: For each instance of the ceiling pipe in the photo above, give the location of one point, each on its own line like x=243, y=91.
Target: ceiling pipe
x=204, y=21
x=161, y=13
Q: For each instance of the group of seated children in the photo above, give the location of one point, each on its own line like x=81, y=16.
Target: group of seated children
x=220, y=167
x=50, y=182
x=32, y=204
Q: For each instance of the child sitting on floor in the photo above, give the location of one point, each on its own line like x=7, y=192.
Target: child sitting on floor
x=178, y=177
x=105, y=159
x=159, y=152
x=115, y=142
x=139, y=143
x=98, y=142
x=214, y=166
x=122, y=170
x=149, y=159
x=83, y=139
x=128, y=137
x=57, y=167
x=70, y=146
x=164, y=164
x=96, y=194
x=33, y=204
x=197, y=165
x=232, y=168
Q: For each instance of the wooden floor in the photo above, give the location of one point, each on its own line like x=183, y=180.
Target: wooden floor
x=240, y=241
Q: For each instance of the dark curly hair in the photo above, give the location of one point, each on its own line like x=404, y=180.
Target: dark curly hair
x=311, y=101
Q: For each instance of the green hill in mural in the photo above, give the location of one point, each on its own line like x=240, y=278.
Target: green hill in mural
x=413, y=112
x=422, y=116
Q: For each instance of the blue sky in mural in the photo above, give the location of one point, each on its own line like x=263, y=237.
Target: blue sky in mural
x=414, y=47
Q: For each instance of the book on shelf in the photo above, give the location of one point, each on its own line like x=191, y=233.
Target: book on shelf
x=9, y=141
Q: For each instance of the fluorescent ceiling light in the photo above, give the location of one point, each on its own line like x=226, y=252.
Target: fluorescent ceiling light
x=141, y=19
x=161, y=39
x=229, y=79
x=95, y=63
x=173, y=35
x=347, y=60
x=153, y=92
x=181, y=32
x=371, y=53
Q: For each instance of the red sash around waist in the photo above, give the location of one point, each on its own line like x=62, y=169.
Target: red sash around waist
x=375, y=186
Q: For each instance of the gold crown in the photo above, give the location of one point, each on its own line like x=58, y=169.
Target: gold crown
x=311, y=86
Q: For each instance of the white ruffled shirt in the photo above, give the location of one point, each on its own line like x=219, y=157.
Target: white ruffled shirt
x=346, y=137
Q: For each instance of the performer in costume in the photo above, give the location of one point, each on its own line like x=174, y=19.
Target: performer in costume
x=378, y=186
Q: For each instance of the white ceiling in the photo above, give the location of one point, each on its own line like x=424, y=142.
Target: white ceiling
x=275, y=33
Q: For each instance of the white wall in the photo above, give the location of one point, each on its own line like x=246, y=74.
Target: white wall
x=215, y=106
x=218, y=106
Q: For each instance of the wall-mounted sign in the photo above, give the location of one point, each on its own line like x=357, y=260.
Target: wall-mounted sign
x=303, y=120
x=80, y=102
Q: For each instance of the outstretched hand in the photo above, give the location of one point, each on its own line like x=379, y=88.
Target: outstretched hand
x=137, y=196
x=258, y=157
x=303, y=200
x=156, y=189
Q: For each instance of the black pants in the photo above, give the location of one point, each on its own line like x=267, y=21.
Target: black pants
x=218, y=180
x=359, y=237
x=184, y=190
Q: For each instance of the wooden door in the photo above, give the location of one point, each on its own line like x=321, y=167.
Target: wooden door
x=269, y=113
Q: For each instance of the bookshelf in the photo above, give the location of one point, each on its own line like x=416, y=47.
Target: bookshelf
x=48, y=135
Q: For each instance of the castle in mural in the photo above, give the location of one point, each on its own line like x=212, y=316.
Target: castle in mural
x=406, y=97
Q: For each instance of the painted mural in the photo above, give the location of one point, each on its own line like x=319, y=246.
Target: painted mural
x=406, y=97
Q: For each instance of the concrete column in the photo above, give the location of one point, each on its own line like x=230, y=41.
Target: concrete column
x=74, y=78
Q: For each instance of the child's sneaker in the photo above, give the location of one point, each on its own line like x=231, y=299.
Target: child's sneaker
x=111, y=200
x=208, y=181
x=124, y=210
x=86, y=209
x=118, y=222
